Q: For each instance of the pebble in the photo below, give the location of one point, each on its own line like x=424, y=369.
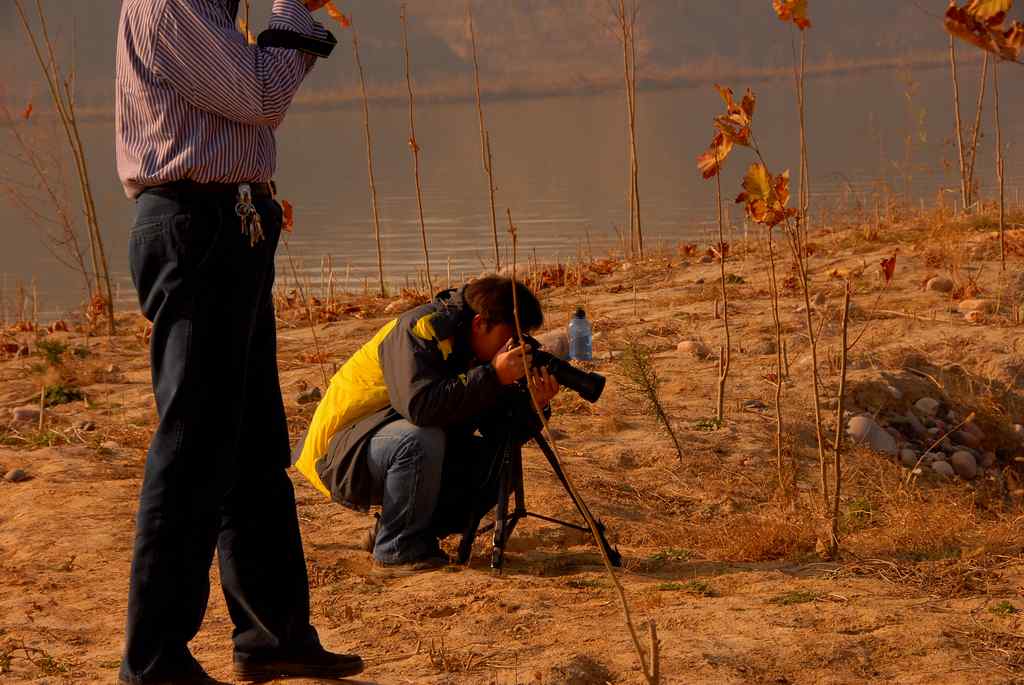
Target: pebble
x=864, y=429
x=706, y=259
x=916, y=425
x=908, y=458
x=312, y=395
x=927, y=406
x=819, y=300
x=988, y=460
x=16, y=476
x=965, y=465
x=943, y=468
x=940, y=284
x=985, y=306
x=26, y=413
x=693, y=348
x=967, y=438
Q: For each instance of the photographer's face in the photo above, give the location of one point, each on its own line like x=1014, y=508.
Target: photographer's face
x=486, y=340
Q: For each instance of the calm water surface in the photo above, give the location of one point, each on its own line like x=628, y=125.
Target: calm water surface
x=560, y=165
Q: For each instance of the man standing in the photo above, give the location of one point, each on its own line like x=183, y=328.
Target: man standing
x=196, y=110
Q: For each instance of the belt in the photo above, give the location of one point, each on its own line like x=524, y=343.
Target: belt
x=179, y=188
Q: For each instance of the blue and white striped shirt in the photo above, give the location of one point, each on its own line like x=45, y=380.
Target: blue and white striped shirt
x=194, y=100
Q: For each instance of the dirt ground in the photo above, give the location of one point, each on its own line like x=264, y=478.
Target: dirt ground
x=926, y=588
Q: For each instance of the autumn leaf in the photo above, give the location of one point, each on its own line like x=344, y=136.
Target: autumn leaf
x=794, y=11
x=731, y=128
x=989, y=10
x=981, y=23
x=27, y=113
x=337, y=15
x=766, y=196
x=710, y=163
x=888, y=268
x=288, y=220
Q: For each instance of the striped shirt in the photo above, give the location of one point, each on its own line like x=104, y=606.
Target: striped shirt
x=194, y=100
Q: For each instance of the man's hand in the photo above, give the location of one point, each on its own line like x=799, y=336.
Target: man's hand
x=314, y=5
x=545, y=386
x=509, y=364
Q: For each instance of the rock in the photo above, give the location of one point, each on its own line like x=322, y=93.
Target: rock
x=916, y=425
x=113, y=368
x=931, y=457
x=819, y=300
x=27, y=413
x=693, y=348
x=988, y=460
x=984, y=306
x=940, y=284
x=965, y=465
x=974, y=316
x=967, y=438
x=927, y=406
x=16, y=476
x=110, y=445
x=706, y=259
x=908, y=458
x=556, y=342
x=943, y=468
x=864, y=429
x=311, y=395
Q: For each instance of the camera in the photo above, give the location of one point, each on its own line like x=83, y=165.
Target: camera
x=586, y=384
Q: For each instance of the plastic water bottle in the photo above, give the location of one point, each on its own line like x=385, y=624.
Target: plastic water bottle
x=580, y=337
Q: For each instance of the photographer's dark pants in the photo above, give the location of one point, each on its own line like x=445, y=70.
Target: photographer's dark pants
x=215, y=474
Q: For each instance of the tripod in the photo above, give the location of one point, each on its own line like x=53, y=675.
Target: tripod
x=510, y=482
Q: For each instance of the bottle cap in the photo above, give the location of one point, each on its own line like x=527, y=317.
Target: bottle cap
x=580, y=314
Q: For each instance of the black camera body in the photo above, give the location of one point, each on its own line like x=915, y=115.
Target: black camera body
x=587, y=384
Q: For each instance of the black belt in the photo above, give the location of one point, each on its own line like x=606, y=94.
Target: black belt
x=230, y=190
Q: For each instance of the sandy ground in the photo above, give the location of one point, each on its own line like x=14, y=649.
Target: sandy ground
x=926, y=589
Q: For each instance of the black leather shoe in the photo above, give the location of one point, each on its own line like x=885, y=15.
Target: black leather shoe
x=197, y=678
x=316, y=664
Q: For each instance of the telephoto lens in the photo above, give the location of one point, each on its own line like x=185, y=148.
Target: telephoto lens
x=587, y=384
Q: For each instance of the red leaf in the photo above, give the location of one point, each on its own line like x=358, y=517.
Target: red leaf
x=288, y=221
x=337, y=15
x=889, y=268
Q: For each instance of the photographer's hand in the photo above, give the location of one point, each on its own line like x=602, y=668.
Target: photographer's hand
x=509, y=364
x=545, y=386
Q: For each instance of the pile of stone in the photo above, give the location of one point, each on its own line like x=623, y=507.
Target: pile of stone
x=918, y=439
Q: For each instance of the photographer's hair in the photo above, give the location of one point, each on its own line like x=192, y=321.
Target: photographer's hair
x=491, y=298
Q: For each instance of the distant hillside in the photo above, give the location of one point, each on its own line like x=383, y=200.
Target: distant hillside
x=532, y=45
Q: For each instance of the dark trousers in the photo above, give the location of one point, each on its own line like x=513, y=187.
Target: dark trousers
x=215, y=474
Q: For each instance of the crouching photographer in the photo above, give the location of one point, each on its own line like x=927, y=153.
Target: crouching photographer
x=415, y=418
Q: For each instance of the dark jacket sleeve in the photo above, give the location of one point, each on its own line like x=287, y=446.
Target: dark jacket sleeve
x=422, y=387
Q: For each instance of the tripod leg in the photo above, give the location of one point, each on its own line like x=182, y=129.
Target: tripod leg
x=501, y=511
x=581, y=506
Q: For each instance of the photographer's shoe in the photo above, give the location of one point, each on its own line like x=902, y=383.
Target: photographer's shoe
x=317, y=664
x=433, y=562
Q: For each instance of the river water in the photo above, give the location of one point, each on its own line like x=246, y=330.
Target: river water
x=561, y=167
